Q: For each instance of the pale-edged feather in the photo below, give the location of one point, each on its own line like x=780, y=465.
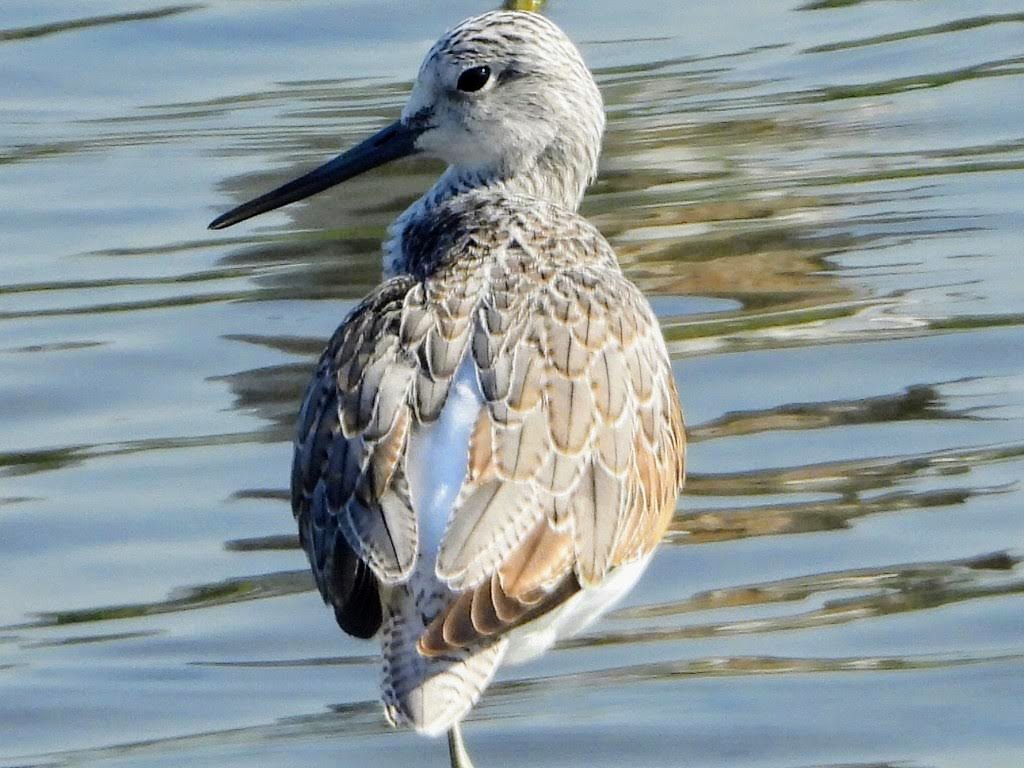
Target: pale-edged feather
x=555, y=447
x=572, y=456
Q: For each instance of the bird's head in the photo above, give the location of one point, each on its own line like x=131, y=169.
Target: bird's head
x=503, y=97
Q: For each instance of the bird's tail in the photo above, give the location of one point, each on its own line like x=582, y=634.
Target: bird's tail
x=430, y=694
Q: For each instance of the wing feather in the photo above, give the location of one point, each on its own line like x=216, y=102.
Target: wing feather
x=349, y=493
x=489, y=522
x=574, y=461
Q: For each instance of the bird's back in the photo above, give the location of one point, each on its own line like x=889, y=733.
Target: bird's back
x=488, y=439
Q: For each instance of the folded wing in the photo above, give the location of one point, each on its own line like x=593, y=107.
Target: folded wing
x=576, y=460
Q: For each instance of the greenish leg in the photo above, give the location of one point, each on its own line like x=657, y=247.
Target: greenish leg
x=457, y=748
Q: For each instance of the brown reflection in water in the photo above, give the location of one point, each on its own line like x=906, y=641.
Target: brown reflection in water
x=848, y=478
x=922, y=402
x=47, y=460
x=203, y=596
x=733, y=666
x=808, y=517
x=90, y=639
x=53, y=28
x=770, y=267
x=6, y=501
x=908, y=578
x=958, y=25
x=280, y=543
x=274, y=392
x=885, y=590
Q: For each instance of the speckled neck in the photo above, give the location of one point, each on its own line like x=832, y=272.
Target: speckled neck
x=559, y=177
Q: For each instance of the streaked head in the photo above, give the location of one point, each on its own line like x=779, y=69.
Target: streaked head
x=507, y=93
x=502, y=98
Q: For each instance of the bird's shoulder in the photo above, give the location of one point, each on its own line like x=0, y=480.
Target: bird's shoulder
x=481, y=227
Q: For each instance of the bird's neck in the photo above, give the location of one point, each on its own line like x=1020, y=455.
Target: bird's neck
x=556, y=177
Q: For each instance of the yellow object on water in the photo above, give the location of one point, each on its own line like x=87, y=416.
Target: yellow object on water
x=524, y=5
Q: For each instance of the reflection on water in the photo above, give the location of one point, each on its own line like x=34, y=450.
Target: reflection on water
x=70, y=25
x=824, y=203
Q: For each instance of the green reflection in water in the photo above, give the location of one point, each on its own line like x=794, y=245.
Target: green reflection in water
x=56, y=27
x=1007, y=67
x=887, y=590
x=203, y=596
x=958, y=25
x=821, y=5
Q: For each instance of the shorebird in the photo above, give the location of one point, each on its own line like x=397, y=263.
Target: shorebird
x=491, y=446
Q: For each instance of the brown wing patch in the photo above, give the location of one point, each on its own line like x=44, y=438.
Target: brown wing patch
x=535, y=579
x=537, y=565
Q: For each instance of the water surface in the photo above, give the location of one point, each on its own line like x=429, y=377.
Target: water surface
x=825, y=202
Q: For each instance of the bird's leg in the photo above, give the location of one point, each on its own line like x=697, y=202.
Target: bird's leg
x=457, y=748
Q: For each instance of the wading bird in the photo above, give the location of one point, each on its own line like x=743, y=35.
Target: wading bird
x=491, y=446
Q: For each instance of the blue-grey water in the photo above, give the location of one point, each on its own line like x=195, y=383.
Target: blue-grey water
x=825, y=201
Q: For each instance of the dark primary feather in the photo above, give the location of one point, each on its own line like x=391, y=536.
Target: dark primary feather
x=335, y=497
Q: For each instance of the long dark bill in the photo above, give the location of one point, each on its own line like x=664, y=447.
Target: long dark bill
x=395, y=141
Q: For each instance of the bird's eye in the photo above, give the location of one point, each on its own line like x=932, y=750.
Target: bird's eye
x=474, y=78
